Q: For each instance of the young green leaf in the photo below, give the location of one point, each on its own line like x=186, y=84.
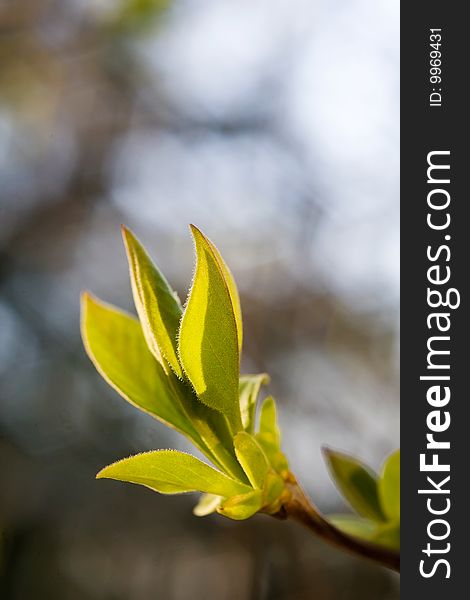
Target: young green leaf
x=388, y=535
x=357, y=483
x=208, y=504
x=249, y=388
x=274, y=486
x=211, y=426
x=233, y=291
x=115, y=344
x=269, y=435
x=172, y=472
x=268, y=427
x=389, y=487
x=208, y=339
x=382, y=534
x=355, y=526
x=252, y=458
x=157, y=305
x=242, y=506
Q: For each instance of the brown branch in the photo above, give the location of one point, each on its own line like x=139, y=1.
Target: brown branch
x=298, y=506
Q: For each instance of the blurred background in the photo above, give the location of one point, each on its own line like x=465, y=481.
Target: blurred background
x=272, y=125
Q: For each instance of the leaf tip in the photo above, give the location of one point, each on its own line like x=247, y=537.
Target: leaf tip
x=331, y=455
x=101, y=473
x=87, y=299
x=198, y=235
x=266, y=380
x=85, y=296
x=128, y=237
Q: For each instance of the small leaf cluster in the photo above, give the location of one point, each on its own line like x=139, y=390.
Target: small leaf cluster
x=375, y=498
x=181, y=365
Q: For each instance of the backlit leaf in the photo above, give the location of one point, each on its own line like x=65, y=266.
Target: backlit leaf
x=274, y=486
x=354, y=526
x=233, y=291
x=208, y=339
x=242, y=506
x=157, y=304
x=208, y=504
x=382, y=534
x=389, y=487
x=389, y=535
x=116, y=345
x=172, y=472
x=212, y=427
x=252, y=458
x=269, y=435
x=268, y=427
x=249, y=388
x=357, y=483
